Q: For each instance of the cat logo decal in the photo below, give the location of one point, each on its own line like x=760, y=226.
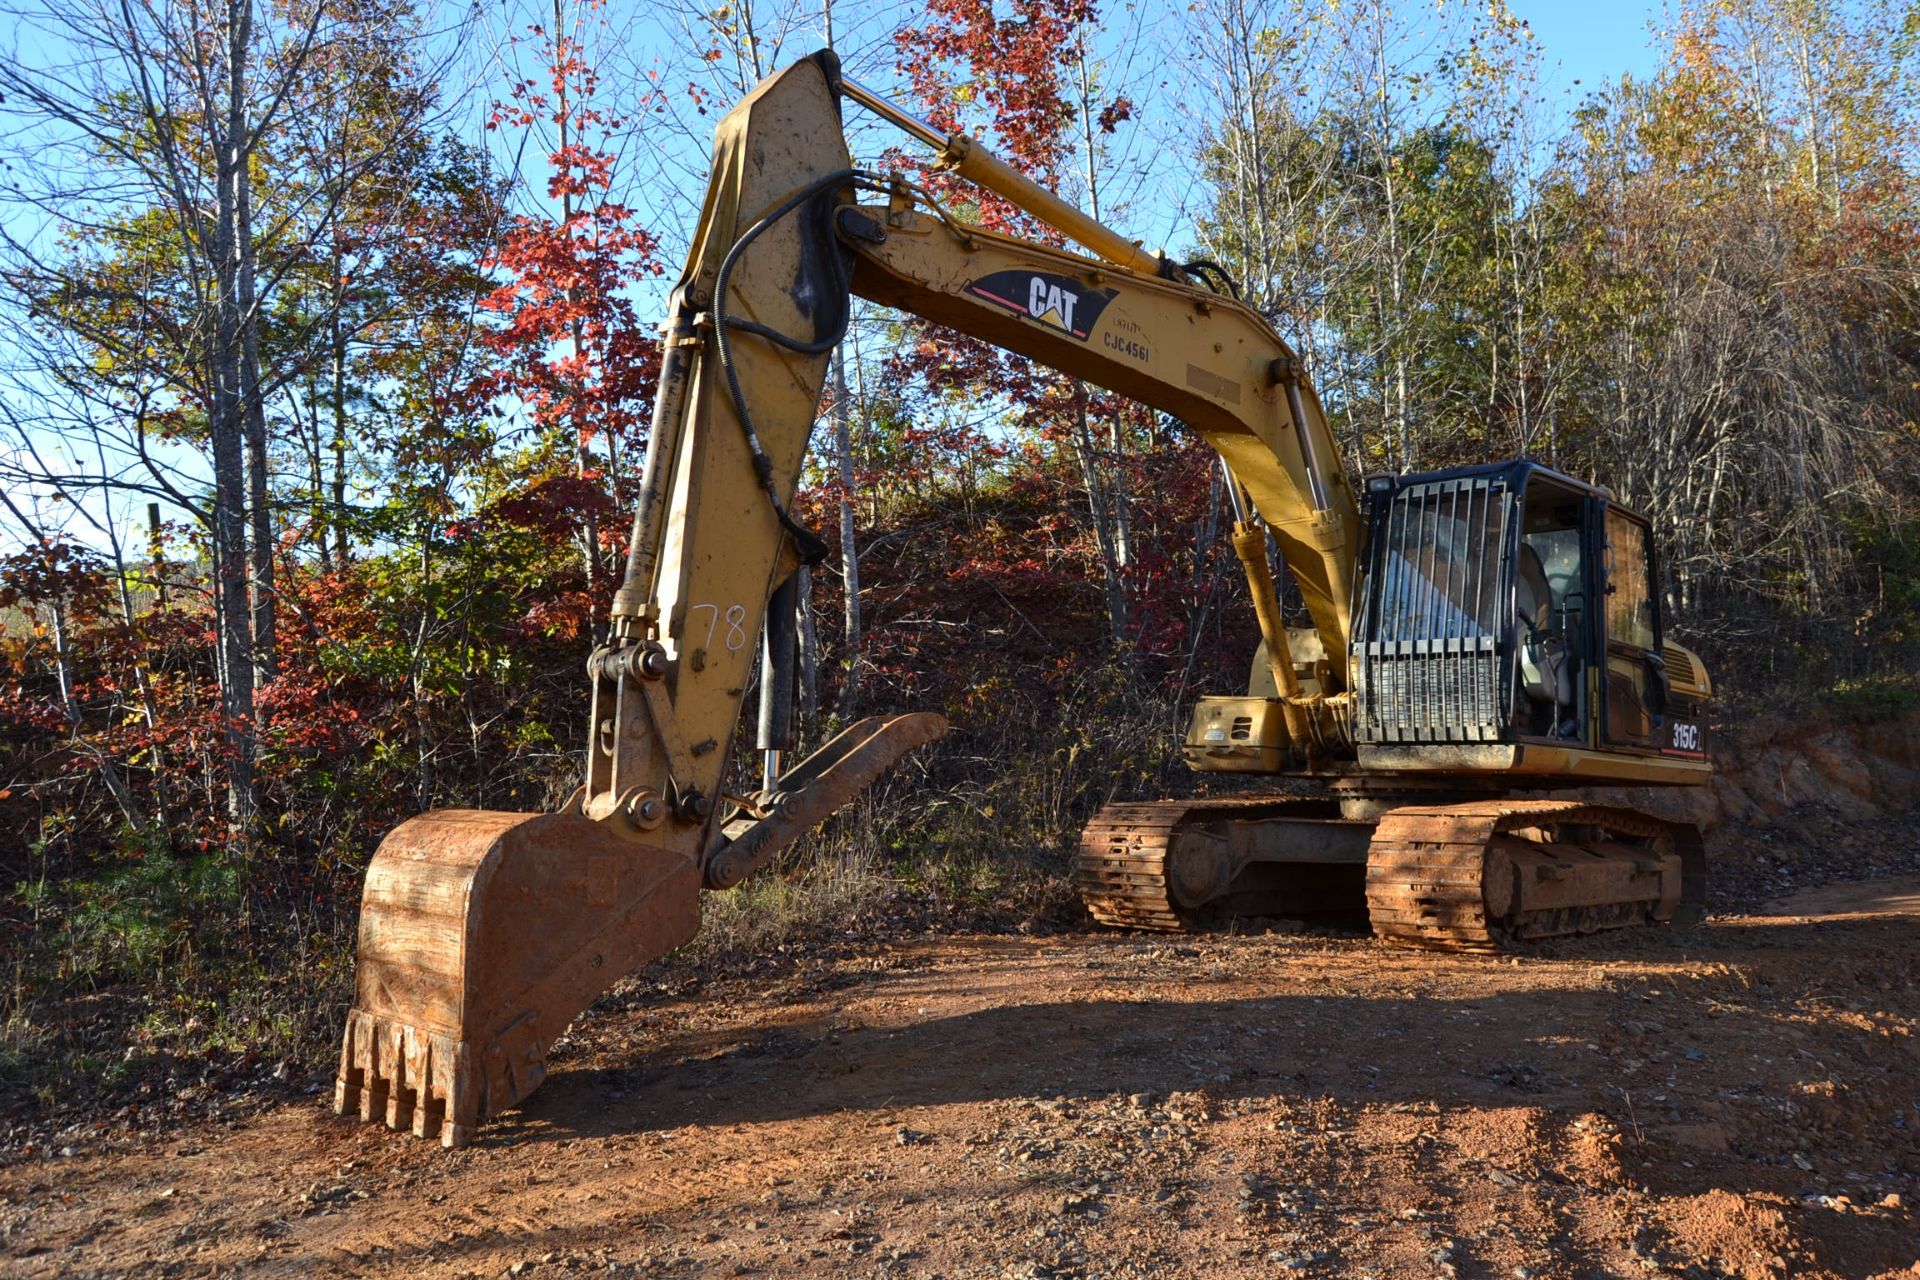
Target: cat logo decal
x=1059, y=302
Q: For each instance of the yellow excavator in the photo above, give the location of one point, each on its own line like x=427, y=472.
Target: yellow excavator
x=1477, y=634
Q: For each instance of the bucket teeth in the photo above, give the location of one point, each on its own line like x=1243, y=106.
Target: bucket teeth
x=409, y=1078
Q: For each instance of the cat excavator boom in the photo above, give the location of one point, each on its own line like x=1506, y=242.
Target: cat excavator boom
x=1459, y=646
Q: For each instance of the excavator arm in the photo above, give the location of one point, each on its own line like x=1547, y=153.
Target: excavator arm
x=782, y=243
x=1133, y=323
x=482, y=933
x=1199, y=356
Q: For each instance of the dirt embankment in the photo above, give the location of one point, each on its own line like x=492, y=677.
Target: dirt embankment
x=1767, y=768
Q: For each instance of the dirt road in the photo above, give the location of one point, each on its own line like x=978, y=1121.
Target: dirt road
x=1743, y=1100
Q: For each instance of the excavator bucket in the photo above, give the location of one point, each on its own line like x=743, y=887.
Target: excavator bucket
x=482, y=935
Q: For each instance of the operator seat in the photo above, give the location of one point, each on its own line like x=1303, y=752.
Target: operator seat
x=1546, y=671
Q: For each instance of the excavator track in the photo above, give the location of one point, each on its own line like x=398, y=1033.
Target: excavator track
x=1481, y=876
x=1122, y=868
x=1473, y=876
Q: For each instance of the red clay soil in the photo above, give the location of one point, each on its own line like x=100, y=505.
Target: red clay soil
x=1742, y=1100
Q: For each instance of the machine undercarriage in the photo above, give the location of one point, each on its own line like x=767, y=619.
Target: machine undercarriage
x=1474, y=874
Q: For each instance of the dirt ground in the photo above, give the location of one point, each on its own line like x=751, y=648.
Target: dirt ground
x=1740, y=1100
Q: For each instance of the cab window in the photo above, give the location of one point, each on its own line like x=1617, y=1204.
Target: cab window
x=1629, y=585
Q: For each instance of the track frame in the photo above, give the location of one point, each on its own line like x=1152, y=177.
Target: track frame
x=1469, y=875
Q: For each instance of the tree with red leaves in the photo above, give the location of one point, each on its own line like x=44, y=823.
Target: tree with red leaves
x=574, y=353
x=1029, y=67
x=1013, y=66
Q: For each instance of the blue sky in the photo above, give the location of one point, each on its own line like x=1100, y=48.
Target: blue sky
x=1592, y=43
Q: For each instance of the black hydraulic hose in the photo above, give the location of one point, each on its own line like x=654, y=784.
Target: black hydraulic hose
x=812, y=549
x=1216, y=276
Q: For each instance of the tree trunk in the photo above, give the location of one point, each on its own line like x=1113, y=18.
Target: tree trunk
x=342, y=545
x=1100, y=506
x=227, y=430
x=849, y=553
x=809, y=649
x=582, y=442
x=314, y=445
x=1119, y=502
x=252, y=405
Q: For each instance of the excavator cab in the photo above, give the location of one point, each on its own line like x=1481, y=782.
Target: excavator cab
x=1512, y=604
x=1506, y=637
